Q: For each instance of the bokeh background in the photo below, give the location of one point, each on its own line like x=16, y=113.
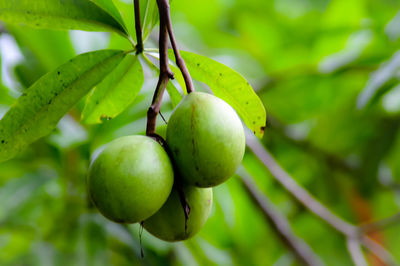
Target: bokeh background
x=328, y=74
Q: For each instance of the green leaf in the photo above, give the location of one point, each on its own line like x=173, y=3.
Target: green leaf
x=230, y=86
x=5, y=98
x=61, y=14
x=173, y=92
x=109, y=7
x=110, y=97
x=378, y=79
x=51, y=48
x=148, y=16
x=37, y=112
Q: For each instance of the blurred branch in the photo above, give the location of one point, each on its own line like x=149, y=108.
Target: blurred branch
x=279, y=223
x=354, y=248
x=351, y=231
x=380, y=224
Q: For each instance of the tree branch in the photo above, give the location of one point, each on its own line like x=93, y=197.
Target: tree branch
x=179, y=60
x=279, y=223
x=381, y=224
x=165, y=73
x=138, y=28
x=354, y=248
x=317, y=208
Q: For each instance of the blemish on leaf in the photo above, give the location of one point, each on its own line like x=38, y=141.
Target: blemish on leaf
x=58, y=72
x=220, y=74
x=2, y=142
x=105, y=118
x=198, y=64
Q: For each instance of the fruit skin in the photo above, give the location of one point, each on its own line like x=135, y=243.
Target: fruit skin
x=130, y=179
x=169, y=222
x=206, y=139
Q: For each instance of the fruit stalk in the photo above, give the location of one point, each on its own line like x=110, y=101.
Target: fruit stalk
x=179, y=60
x=138, y=28
x=165, y=73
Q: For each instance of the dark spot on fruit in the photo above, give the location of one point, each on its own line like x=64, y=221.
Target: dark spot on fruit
x=3, y=141
x=58, y=72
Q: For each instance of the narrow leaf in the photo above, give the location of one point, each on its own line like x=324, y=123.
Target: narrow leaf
x=173, y=92
x=149, y=16
x=109, y=7
x=37, y=112
x=110, y=97
x=60, y=14
x=230, y=86
x=50, y=47
x=378, y=79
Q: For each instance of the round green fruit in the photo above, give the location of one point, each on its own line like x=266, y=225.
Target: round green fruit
x=169, y=222
x=130, y=179
x=206, y=139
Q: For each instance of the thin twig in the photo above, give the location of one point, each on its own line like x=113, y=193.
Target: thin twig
x=165, y=74
x=296, y=190
x=279, y=223
x=380, y=224
x=317, y=208
x=138, y=28
x=354, y=248
x=179, y=60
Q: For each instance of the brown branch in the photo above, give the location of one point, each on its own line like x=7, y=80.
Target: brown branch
x=279, y=223
x=138, y=28
x=165, y=73
x=313, y=205
x=179, y=60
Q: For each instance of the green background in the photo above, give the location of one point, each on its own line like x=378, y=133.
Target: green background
x=328, y=74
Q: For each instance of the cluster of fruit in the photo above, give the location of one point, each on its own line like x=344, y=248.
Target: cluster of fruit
x=132, y=179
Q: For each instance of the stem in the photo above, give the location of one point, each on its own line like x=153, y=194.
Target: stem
x=380, y=224
x=138, y=28
x=179, y=60
x=279, y=223
x=163, y=78
x=356, y=253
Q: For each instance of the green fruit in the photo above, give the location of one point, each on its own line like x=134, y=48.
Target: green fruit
x=206, y=139
x=169, y=222
x=130, y=179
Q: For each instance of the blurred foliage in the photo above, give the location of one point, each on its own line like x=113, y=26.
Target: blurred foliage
x=328, y=73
